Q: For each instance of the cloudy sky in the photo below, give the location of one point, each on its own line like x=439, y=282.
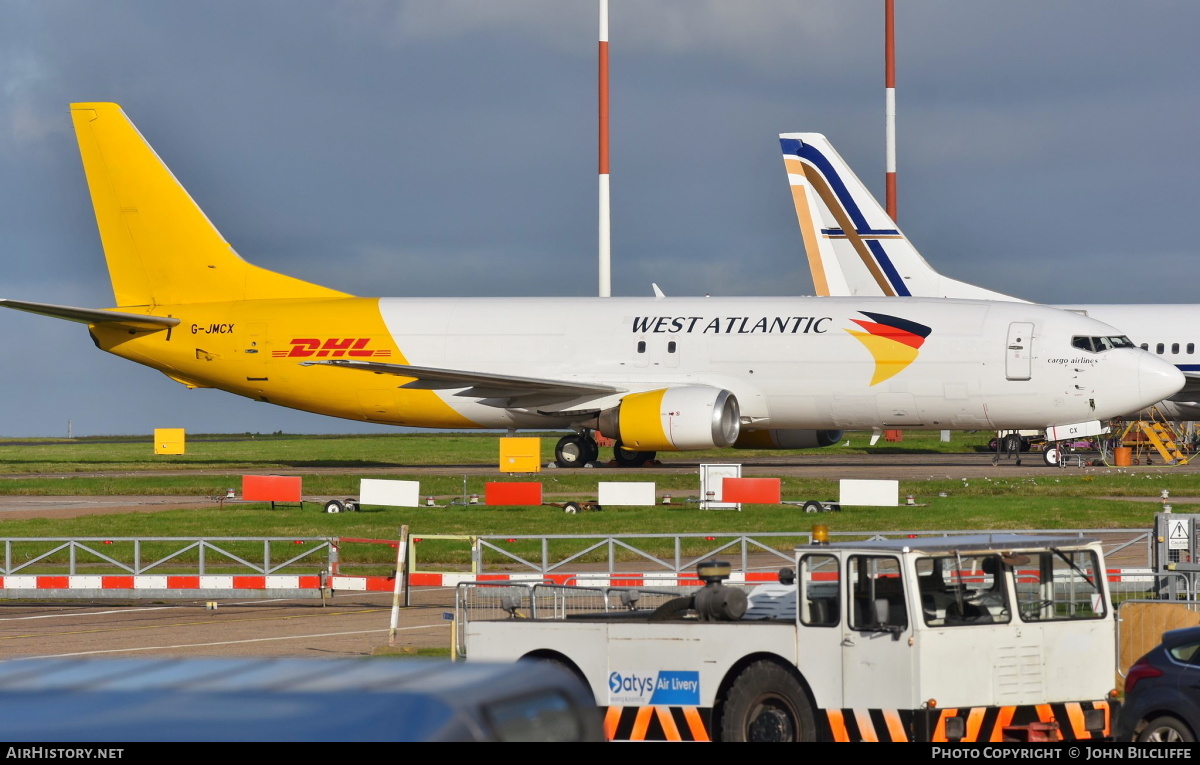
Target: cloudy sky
x=448, y=147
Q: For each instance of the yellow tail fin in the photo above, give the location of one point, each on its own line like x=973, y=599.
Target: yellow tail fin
x=160, y=246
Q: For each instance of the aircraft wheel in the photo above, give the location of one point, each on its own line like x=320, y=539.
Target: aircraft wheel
x=1050, y=455
x=591, y=450
x=630, y=457
x=334, y=506
x=571, y=451
x=1012, y=443
x=766, y=703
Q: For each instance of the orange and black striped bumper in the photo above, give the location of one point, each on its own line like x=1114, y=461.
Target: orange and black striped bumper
x=929, y=725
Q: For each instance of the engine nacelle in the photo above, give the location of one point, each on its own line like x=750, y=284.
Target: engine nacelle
x=674, y=419
x=787, y=439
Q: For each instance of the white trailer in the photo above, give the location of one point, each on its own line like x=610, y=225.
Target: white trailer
x=972, y=638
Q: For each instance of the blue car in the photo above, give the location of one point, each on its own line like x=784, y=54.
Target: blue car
x=1162, y=691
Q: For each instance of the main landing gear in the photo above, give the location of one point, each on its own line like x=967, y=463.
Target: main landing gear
x=578, y=449
x=631, y=458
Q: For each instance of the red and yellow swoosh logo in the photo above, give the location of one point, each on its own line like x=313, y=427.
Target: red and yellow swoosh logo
x=894, y=342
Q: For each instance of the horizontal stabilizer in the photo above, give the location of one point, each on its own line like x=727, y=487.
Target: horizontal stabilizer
x=430, y=378
x=93, y=315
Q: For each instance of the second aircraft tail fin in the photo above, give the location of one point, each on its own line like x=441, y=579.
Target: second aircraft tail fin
x=854, y=247
x=160, y=246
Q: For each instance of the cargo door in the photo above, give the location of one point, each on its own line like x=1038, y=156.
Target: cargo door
x=256, y=352
x=1018, y=351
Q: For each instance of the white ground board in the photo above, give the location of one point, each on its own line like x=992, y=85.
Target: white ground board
x=860, y=493
x=375, y=491
x=618, y=493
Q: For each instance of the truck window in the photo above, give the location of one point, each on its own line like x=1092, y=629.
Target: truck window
x=876, y=594
x=1058, y=585
x=820, y=582
x=959, y=590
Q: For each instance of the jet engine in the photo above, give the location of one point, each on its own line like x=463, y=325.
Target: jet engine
x=787, y=439
x=674, y=419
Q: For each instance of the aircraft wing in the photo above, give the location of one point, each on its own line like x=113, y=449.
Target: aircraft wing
x=481, y=384
x=92, y=315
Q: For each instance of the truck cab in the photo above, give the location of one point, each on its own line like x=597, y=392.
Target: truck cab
x=953, y=638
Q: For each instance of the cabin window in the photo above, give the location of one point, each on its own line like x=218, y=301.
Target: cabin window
x=641, y=346
x=1145, y=346
x=1159, y=349
x=820, y=581
x=876, y=594
x=1174, y=347
x=957, y=590
x=671, y=347
x=1058, y=585
x=1191, y=348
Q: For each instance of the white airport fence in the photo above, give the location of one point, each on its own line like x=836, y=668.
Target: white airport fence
x=755, y=556
x=165, y=567
x=159, y=567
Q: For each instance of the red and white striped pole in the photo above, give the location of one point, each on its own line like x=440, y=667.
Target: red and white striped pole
x=889, y=109
x=605, y=223
x=889, y=84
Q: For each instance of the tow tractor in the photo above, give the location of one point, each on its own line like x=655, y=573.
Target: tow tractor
x=972, y=639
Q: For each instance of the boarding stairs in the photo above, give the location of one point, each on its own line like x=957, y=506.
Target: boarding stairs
x=1155, y=432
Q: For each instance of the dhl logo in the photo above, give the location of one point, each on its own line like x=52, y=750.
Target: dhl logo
x=333, y=347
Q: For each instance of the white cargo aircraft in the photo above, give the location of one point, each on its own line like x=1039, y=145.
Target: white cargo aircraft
x=855, y=249
x=654, y=374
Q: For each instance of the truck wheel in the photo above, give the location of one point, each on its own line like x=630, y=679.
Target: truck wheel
x=813, y=506
x=334, y=506
x=571, y=508
x=766, y=703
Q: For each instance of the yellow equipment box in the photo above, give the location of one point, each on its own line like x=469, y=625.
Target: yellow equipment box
x=168, y=440
x=520, y=455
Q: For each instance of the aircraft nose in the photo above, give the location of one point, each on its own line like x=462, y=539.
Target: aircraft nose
x=1158, y=379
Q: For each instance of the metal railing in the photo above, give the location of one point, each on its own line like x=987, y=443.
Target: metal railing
x=484, y=601
x=142, y=555
x=555, y=554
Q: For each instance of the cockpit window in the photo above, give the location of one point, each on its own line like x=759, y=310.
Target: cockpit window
x=1121, y=341
x=1101, y=344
